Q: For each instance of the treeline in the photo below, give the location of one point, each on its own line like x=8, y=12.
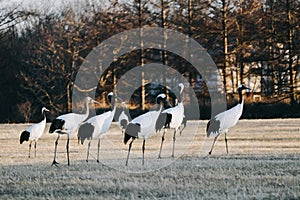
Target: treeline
x=256, y=42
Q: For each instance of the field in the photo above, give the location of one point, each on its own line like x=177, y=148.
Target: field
x=263, y=163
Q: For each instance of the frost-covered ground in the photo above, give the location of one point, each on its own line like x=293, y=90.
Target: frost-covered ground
x=263, y=163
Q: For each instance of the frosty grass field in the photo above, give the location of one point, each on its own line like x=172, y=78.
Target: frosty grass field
x=263, y=163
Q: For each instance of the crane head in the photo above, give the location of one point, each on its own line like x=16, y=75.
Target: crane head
x=181, y=87
x=160, y=98
x=110, y=97
x=242, y=87
x=44, y=109
x=90, y=100
x=123, y=104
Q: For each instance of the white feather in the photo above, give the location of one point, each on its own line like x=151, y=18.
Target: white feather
x=177, y=113
x=147, y=123
x=122, y=116
x=101, y=123
x=230, y=117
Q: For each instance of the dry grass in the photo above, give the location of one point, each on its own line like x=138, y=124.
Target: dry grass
x=263, y=163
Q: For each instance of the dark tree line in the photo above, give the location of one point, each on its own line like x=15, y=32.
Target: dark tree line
x=254, y=42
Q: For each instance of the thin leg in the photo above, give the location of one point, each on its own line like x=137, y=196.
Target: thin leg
x=182, y=129
x=56, y=143
x=162, y=141
x=88, y=151
x=29, y=149
x=35, y=149
x=226, y=143
x=68, y=140
x=174, y=139
x=213, y=144
x=143, y=149
x=98, y=150
x=130, y=144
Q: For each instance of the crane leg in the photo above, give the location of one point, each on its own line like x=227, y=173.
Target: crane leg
x=98, y=150
x=174, y=139
x=213, y=144
x=56, y=143
x=162, y=141
x=88, y=151
x=34, y=148
x=226, y=143
x=182, y=129
x=143, y=149
x=130, y=144
x=68, y=140
x=29, y=149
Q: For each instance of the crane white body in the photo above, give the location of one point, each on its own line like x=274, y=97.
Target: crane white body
x=177, y=113
x=147, y=123
x=123, y=118
x=37, y=130
x=228, y=119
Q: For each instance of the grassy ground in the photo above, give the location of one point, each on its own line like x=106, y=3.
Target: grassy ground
x=263, y=163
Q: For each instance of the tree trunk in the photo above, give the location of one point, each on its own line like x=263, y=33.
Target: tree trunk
x=290, y=50
x=164, y=53
x=143, y=94
x=190, y=15
x=69, y=96
x=225, y=44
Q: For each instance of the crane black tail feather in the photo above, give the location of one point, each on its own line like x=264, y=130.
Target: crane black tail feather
x=124, y=123
x=85, y=131
x=24, y=136
x=57, y=124
x=131, y=131
x=213, y=126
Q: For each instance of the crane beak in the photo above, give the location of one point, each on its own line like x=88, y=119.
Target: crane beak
x=119, y=98
x=47, y=110
x=96, y=102
x=246, y=88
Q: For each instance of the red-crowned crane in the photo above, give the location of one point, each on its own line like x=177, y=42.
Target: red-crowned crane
x=123, y=118
x=143, y=126
x=97, y=126
x=171, y=118
x=68, y=124
x=34, y=132
x=225, y=120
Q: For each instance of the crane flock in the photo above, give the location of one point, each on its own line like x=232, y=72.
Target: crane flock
x=164, y=116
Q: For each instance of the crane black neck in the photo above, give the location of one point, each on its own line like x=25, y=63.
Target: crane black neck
x=240, y=95
x=86, y=107
x=113, y=104
x=44, y=114
x=111, y=100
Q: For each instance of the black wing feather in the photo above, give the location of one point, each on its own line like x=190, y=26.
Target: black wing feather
x=57, y=124
x=24, y=136
x=213, y=126
x=132, y=131
x=85, y=131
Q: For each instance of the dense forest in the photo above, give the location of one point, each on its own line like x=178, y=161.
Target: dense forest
x=255, y=42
